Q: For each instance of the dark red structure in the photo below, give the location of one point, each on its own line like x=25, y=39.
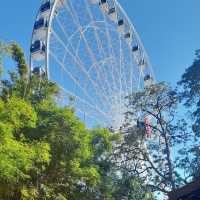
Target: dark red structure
x=190, y=191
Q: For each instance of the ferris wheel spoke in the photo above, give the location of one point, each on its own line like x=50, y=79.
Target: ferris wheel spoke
x=102, y=95
x=92, y=117
x=84, y=102
x=140, y=77
x=107, y=59
x=120, y=72
x=76, y=82
x=98, y=40
x=132, y=74
x=77, y=49
x=100, y=80
x=111, y=50
x=123, y=85
x=72, y=77
x=111, y=46
x=69, y=41
x=131, y=77
x=76, y=59
x=76, y=21
x=123, y=68
x=67, y=36
x=84, y=112
x=99, y=43
x=124, y=78
x=89, y=114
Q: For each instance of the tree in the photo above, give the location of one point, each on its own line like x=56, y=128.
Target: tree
x=46, y=152
x=151, y=133
x=190, y=96
x=17, y=55
x=3, y=50
x=70, y=150
x=190, y=83
x=18, y=158
x=130, y=187
x=18, y=82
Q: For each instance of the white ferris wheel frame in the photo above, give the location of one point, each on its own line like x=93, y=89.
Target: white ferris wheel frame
x=50, y=16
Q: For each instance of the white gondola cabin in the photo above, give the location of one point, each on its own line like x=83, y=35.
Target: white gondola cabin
x=45, y=9
x=128, y=38
x=40, y=28
x=142, y=63
x=38, y=50
x=121, y=26
x=148, y=80
x=112, y=14
x=136, y=54
x=104, y=5
x=135, y=48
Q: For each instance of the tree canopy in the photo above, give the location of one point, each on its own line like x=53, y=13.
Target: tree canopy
x=46, y=152
x=190, y=96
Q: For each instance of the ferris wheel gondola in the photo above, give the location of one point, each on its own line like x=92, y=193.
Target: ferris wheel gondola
x=113, y=14
x=104, y=5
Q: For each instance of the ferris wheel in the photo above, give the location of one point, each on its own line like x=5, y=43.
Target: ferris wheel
x=93, y=52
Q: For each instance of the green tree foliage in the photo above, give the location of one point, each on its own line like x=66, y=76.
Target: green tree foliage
x=46, y=153
x=17, y=55
x=191, y=89
x=152, y=156
x=17, y=157
x=3, y=51
x=130, y=187
x=190, y=96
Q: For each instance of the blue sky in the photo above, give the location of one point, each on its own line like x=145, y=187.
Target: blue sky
x=170, y=30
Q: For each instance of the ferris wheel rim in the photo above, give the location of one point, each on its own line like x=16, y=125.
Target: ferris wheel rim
x=49, y=31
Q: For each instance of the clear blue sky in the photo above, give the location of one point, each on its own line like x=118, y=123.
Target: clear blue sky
x=170, y=30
